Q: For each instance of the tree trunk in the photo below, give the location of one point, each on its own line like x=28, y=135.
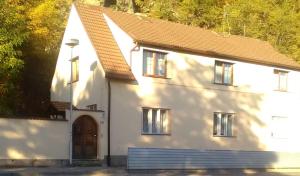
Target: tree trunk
x=108, y=3
x=135, y=7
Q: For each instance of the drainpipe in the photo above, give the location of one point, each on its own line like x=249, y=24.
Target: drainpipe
x=108, y=123
x=133, y=49
x=109, y=110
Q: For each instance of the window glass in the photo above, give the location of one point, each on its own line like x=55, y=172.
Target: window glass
x=164, y=121
x=218, y=73
x=145, y=120
x=154, y=63
x=92, y=107
x=229, y=125
x=75, y=70
x=223, y=73
x=282, y=79
x=155, y=121
x=148, y=63
x=223, y=123
x=223, y=126
x=227, y=73
x=215, y=124
x=161, y=64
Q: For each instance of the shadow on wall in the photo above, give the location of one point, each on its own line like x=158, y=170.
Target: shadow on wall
x=192, y=98
x=88, y=90
x=42, y=139
x=32, y=139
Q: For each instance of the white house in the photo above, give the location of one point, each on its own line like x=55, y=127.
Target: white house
x=167, y=95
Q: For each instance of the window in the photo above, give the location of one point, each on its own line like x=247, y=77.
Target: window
x=92, y=107
x=282, y=79
x=155, y=121
x=279, y=127
x=154, y=64
x=223, y=73
x=223, y=124
x=75, y=70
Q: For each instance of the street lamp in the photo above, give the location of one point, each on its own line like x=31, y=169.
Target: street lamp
x=71, y=43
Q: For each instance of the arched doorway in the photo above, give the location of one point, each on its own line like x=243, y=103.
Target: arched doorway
x=84, y=138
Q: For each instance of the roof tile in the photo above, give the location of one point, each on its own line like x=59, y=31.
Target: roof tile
x=169, y=35
x=102, y=39
x=194, y=39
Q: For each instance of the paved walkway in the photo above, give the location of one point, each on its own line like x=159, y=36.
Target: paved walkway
x=102, y=171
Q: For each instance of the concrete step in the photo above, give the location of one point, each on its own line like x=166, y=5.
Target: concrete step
x=86, y=162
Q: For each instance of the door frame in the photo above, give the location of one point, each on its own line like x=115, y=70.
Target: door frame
x=97, y=135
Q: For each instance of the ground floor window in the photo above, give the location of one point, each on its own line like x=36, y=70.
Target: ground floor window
x=280, y=127
x=223, y=124
x=156, y=121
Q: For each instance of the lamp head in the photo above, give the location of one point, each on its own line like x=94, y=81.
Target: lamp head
x=72, y=42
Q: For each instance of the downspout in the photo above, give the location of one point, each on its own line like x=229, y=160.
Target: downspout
x=133, y=49
x=109, y=110
x=108, y=123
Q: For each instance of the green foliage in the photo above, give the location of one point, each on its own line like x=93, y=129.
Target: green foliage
x=46, y=21
x=30, y=36
x=12, y=35
x=276, y=21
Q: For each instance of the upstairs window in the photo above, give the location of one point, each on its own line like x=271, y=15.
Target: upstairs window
x=154, y=64
x=223, y=73
x=155, y=121
x=223, y=124
x=282, y=79
x=75, y=69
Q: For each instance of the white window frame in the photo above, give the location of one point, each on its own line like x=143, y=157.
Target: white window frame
x=217, y=128
x=222, y=63
x=154, y=66
x=150, y=121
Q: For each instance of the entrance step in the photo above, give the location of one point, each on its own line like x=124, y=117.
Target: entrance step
x=86, y=162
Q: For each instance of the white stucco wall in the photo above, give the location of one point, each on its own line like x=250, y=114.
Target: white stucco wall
x=33, y=139
x=189, y=93
x=44, y=139
x=193, y=98
x=90, y=89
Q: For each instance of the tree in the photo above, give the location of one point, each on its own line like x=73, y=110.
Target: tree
x=275, y=21
x=12, y=35
x=46, y=21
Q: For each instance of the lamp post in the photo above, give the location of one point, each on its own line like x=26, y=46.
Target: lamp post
x=71, y=43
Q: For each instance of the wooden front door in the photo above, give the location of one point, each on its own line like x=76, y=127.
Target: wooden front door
x=84, y=138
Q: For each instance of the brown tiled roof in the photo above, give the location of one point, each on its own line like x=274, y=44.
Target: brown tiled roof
x=102, y=39
x=174, y=36
x=61, y=106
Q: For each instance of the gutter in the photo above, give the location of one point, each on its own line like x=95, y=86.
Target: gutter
x=108, y=122
x=216, y=55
